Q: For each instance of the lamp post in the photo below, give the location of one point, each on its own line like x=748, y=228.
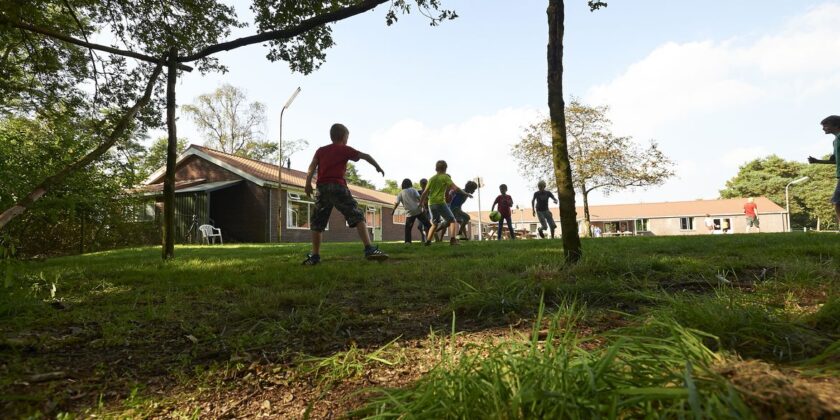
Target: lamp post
x=480, y=182
x=787, y=200
x=280, y=167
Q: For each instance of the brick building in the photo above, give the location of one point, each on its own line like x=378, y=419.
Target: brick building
x=657, y=219
x=241, y=197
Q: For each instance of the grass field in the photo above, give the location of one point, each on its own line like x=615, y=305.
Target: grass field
x=716, y=326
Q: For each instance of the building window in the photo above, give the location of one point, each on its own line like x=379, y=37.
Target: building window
x=686, y=223
x=642, y=225
x=399, y=216
x=533, y=227
x=141, y=212
x=298, y=212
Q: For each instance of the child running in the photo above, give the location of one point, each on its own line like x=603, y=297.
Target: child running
x=435, y=195
x=505, y=202
x=540, y=205
x=331, y=163
x=410, y=199
x=458, y=199
x=421, y=227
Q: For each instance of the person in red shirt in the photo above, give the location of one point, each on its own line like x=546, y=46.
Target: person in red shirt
x=751, y=211
x=505, y=202
x=331, y=163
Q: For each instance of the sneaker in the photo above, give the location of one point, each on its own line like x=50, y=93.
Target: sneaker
x=373, y=253
x=542, y=235
x=312, y=259
x=427, y=242
x=454, y=241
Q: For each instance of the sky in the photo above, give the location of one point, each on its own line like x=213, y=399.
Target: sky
x=715, y=83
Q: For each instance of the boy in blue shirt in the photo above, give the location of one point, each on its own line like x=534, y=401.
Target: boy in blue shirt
x=458, y=200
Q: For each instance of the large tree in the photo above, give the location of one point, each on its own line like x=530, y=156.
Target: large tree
x=599, y=159
x=768, y=177
x=159, y=34
x=559, y=149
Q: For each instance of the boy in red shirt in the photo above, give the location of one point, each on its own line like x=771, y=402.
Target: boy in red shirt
x=331, y=163
x=505, y=202
x=751, y=211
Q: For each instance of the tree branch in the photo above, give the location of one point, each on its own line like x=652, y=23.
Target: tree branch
x=301, y=28
x=53, y=34
x=45, y=185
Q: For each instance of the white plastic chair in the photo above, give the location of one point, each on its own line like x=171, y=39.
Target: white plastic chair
x=209, y=234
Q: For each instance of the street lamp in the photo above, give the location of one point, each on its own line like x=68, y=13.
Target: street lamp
x=280, y=167
x=787, y=200
x=479, y=181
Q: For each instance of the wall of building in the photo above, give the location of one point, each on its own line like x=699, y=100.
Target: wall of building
x=241, y=212
x=337, y=230
x=738, y=224
x=194, y=168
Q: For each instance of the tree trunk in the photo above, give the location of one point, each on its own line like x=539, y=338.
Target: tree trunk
x=171, y=152
x=47, y=184
x=586, y=221
x=559, y=149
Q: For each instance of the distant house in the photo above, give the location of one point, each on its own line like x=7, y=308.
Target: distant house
x=667, y=218
x=241, y=197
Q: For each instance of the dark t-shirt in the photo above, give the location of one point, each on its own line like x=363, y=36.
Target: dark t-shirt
x=332, y=163
x=542, y=199
x=504, y=202
x=458, y=200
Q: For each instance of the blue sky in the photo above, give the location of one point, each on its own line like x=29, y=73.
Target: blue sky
x=716, y=83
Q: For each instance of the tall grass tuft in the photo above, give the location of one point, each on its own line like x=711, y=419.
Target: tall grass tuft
x=557, y=378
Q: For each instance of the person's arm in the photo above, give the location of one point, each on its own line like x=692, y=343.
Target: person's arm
x=551, y=195
x=372, y=161
x=424, y=196
x=459, y=190
x=831, y=160
x=533, y=205
x=397, y=204
x=309, y=174
x=496, y=201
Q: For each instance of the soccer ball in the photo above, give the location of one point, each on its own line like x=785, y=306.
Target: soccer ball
x=495, y=216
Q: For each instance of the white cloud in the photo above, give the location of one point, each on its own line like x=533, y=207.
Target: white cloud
x=677, y=80
x=479, y=146
x=738, y=156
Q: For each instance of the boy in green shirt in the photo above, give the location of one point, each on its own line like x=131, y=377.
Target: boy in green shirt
x=435, y=193
x=831, y=125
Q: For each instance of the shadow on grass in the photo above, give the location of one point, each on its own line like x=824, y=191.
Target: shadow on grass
x=110, y=321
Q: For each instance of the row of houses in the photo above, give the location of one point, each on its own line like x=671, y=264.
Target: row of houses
x=241, y=196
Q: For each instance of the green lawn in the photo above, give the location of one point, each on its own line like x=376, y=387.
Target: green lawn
x=642, y=325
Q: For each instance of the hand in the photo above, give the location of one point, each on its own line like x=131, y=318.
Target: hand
x=308, y=189
x=811, y=159
x=555, y=201
x=380, y=171
x=533, y=213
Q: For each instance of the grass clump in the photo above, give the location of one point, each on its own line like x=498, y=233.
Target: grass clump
x=635, y=375
x=745, y=325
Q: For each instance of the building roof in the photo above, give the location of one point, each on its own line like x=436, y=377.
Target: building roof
x=263, y=173
x=694, y=208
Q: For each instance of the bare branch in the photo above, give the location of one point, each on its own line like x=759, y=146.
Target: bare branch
x=53, y=34
x=303, y=27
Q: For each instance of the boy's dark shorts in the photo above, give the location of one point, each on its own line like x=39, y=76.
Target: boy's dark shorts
x=835, y=199
x=338, y=196
x=460, y=215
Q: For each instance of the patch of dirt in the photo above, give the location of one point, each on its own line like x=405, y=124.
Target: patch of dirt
x=783, y=394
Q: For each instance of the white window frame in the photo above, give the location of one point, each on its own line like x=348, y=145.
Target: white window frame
x=690, y=223
x=295, y=197
x=645, y=223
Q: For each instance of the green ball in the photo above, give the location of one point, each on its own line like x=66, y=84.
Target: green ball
x=495, y=216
